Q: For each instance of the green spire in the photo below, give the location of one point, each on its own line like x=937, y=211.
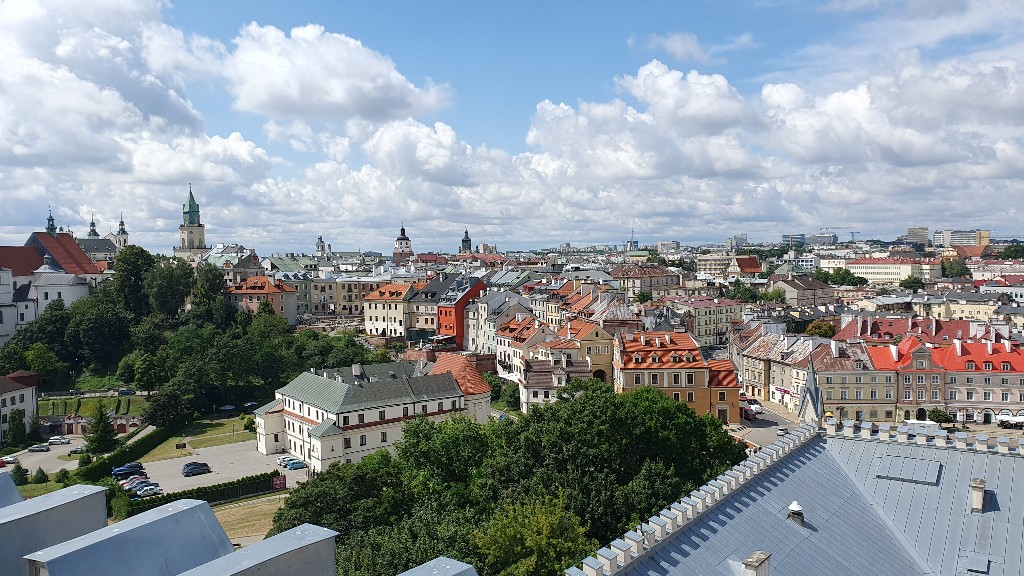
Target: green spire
x=50, y=226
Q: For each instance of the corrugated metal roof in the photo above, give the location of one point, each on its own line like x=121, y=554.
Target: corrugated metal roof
x=336, y=397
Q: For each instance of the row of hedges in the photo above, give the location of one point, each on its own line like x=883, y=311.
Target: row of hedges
x=100, y=468
x=128, y=437
x=241, y=488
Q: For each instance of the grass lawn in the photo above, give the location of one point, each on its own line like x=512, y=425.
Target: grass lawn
x=67, y=405
x=202, y=434
x=251, y=518
x=33, y=490
x=94, y=382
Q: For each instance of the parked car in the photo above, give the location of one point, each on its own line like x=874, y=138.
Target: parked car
x=782, y=431
x=132, y=478
x=295, y=465
x=39, y=448
x=282, y=460
x=2, y=464
x=143, y=485
x=135, y=484
x=149, y=491
x=192, y=464
x=130, y=467
x=10, y=459
x=196, y=470
x=59, y=440
x=755, y=406
x=77, y=450
x=126, y=392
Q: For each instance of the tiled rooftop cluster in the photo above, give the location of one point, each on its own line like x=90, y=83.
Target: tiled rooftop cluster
x=650, y=535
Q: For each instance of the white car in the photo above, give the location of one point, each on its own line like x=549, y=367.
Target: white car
x=149, y=491
x=755, y=406
x=782, y=432
x=59, y=440
x=10, y=459
x=284, y=460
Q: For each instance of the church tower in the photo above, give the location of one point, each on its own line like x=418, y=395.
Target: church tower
x=403, y=248
x=51, y=228
x=467, y=244
x=92, y=229
x=120, y=238
x=192, y=232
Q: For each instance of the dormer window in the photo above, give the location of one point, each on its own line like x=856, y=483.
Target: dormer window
x=675, y=358
x=987, y=365
x=971, y=365
x=859, y=365
x=1005, y=366
x=689, y=357
x=638, y=359
x=655, y=358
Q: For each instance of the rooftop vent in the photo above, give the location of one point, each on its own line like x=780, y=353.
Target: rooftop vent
x=796, y=513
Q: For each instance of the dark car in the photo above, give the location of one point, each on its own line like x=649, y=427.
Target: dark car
x=77, y=450
x=196, y=470
x=192, y=465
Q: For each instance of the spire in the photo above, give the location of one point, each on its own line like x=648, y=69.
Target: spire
x=120, y=229
x=50, y=226
x=190, y=211
x=92, y=228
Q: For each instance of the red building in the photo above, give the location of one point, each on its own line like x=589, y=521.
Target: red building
x=451, y=308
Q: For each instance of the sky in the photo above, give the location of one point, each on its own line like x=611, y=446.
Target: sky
x=529, y=123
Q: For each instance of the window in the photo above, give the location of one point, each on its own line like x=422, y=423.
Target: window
x=935, y=395
x=455, y=404
x=638, y=359
x=636, y=379
x=828, y=379
x=873, y=394
x=440, y=406
x=536, y=394
x=675, y=396
x=987, y=396
x=935, y=378
x=383, y=436
x=347, y=442
x=920, y=364
x=888, y=379
x=844, y=394
x=842, y=379
x=828, y=394
x=1005, y=396
x=952, y=394
x=362, y=439
x=380, y=415
x=907, y=379
x=970, y=395
x=654, y=379
x=952, y=379
x=888, y=393
x=858, y=394
x=689, y=378
x=547, y=394
x=987, y=365
x=970, y=379
x=888, y=414
x=920, y=395
x=986, y=380
x=906, y=394
x=689, y=396
x=405, y=410
x=721, y=396
x=1004, y=381
x=675, y=379
x=971, y=365
x=423, y=409
x=1005, y=366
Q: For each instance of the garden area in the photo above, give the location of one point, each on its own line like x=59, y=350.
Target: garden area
x=65, y=405
x=204, y=434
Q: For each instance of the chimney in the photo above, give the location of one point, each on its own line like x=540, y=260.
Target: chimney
x=977, y=494
x=643, y=340
x=958, y=345
x=796, y=513
x=989, y=347
x=757, y=564
x=835, y=348
x=895, y=351
x=668, y=340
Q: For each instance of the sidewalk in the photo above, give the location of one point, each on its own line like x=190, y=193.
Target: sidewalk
x=780, y=411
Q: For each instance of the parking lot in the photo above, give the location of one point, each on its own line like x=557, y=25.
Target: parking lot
x=228, y=462
x=764, y=430
x=48, y=460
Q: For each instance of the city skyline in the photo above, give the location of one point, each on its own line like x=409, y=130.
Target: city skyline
x=531, y=126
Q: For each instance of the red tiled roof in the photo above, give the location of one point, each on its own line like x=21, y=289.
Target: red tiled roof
x=882, y=358
x=389, y=292
x=68, y=254
x=978, y=352
x=723, y=374
x=467, y=377
x=972, y=251
x=748, y=264
x=881, y=330
x=21, y=260
x=663, y=345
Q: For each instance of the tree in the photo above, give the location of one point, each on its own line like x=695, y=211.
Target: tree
x=102, y=437
x=912, y=283
x=939, y=416
x=17, y=434
x=168, y=408
x=84, y=460
x=843, y=277
x=209, y=284
x=822, y=328
x=643, y=297
x=510, y=395
x=955, y=268
x=62, y=477
x=167, y=285
x=495, y=383
x=99, y=330
x=131, y=266
x=19, y=474
x=1012, y=252
x=44, y=363
x=741, y=292
x=40, y=476
x=538, y=537
x=821, y=275
x=776, y=294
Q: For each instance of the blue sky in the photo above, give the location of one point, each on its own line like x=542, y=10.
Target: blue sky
x=530, y=123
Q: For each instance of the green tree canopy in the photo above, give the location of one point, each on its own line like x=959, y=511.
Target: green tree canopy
x=822, y=328
x=955, y=268
x=643, y=297
x=741, y=292
x=538, y=537
x=843, y=277
x=19, y=474
x=912, y=283
x=1012, y=252
x=776, y=294
x=17, y=433
x=102, y=437
x=45, y=364
x=99, y=330
x=132, y=265
x=939, y=416
x=167, y=285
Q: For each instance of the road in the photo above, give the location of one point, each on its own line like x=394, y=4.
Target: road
x=764, y=430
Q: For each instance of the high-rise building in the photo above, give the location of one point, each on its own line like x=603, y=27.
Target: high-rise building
x=917, y=234
x=794, y=239
x=962, y=237
x=821, y=239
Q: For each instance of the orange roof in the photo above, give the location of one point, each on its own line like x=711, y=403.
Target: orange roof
x=648, y=350
x=723, y=374
x=882, y=357
x=559, y=344
x=576, y=328
x=978, y=352
x=260, y=285
x=468, y=377
x=22, y=260
x=748, y=264
x=389, y=292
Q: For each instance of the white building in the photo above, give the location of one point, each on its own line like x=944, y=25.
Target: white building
x=17, y=390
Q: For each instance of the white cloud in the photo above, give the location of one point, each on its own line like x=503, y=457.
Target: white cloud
x=685, y=47
x=311, y=73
